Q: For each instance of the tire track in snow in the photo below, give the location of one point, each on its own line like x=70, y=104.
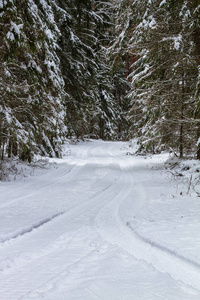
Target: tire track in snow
x=37, y=260
x=112, y=229
x=77, y=164
x=30, y=228
x=69, y=215
x=57, y=174
x=163, y=248
x=113, y=195
x=41, y=187
x=70, y=174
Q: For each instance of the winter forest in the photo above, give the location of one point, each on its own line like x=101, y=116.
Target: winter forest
x=99, y=149
x=114, y=70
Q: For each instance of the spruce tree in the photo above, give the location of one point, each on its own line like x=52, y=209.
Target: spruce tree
x=88, y=91
x=121, y=59
x=31, y=83
x=164, y=74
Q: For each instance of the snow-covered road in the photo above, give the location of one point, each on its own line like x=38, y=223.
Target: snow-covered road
x=98, y=225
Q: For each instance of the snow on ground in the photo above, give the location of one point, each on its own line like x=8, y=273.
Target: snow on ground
x=100, y=224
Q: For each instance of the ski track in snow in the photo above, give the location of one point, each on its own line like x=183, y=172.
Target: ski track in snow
x=48, y=258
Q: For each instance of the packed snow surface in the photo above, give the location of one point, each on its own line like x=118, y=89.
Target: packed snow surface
x=99, y=224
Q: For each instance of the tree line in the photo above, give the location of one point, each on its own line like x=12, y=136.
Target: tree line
x=104, y=69
x=164, y=36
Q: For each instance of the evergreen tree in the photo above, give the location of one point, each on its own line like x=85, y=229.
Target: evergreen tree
x=164, y=75
x=121, y=60
x=30, y=84
x=88, y=99
x=105, y=108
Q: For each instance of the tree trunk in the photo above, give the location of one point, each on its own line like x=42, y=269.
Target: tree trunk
x=198, y=136
x=101, y=125
x=181, y=141
x=198, y=153
x=2, y=151
x=127, y=65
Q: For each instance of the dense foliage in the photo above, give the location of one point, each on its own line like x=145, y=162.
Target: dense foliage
x=164, y=35
x=105, y=69
x=55, y=79
x=31, y=84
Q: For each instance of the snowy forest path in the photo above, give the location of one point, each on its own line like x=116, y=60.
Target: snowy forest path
x=70, y=238
x=115, y=229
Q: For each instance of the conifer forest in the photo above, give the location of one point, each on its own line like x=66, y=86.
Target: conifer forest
x=111, y=70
